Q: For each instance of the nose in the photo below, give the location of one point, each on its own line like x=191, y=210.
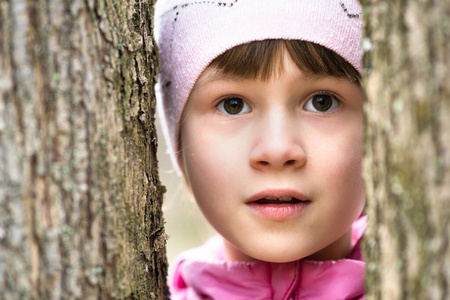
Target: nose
x=277, y=145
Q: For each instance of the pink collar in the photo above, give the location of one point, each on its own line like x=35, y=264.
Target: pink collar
x=201, y=273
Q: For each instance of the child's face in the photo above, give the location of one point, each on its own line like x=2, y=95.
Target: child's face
x=292, y=136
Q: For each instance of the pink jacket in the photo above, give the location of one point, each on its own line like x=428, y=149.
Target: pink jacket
x=202, y=273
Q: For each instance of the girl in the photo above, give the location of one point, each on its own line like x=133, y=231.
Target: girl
x=263, y=110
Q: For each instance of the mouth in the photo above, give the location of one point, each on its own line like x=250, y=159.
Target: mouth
x=282, y=200
x=278, y=205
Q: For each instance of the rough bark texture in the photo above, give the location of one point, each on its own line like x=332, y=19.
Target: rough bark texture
x=80, y=198
x=407, y=166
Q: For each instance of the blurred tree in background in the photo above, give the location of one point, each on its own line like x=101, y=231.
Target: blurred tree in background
x=408, y=149
x=80, y=197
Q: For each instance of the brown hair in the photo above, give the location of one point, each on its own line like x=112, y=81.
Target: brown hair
x=260, y=59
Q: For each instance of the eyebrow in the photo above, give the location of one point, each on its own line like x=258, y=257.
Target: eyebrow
x=216, y=76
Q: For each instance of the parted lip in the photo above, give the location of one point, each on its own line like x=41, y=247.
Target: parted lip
x=278, y=193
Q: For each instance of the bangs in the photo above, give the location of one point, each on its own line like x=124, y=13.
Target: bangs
x=262, y=59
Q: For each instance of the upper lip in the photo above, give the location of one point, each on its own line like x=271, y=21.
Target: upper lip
x=278, y=193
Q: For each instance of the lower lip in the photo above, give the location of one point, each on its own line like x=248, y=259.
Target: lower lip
x=278, y=212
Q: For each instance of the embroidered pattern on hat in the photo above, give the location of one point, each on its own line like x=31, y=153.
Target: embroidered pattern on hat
x=351, y=16
x=181, y=6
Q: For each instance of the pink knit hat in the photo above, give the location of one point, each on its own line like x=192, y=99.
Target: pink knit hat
x=191, y=34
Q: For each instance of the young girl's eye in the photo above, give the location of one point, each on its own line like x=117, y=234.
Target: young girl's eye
x=322, y=103
x=233, y=106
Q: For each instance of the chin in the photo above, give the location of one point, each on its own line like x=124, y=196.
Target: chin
x=279, y=256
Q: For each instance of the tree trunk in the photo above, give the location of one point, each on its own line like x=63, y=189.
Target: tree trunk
x=80, y=197
x=408, y=149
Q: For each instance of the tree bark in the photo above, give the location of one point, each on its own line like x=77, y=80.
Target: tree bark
x=407, y=160
x=80, y=197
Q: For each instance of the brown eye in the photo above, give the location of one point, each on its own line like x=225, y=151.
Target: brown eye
x=322, y=103
x=233, y=106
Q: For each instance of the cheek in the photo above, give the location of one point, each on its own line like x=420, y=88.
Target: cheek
x=349, y=162
x=346, y=147
x=340, y=162
x=350, y=179
x=210, y=146
x=205, y=165
x=209, y=184
x=352, y=155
